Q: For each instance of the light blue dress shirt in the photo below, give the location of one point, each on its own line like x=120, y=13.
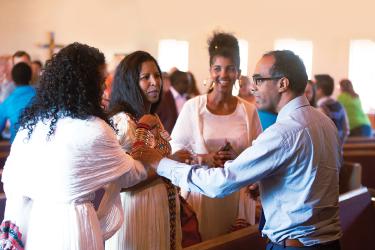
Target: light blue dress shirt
x=296, y=162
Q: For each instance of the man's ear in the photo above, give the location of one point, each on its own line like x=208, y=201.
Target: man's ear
x=283, y=84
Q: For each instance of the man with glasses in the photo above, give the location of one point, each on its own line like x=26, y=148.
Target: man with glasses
x=296, y=162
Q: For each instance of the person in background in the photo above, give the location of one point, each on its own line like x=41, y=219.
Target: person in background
x=166, y=82
x=64, y=151
x=173, y=100
x=36, y=67
x=8, y=86
x=20, y=98
x=299, y=182
x=310, y=92
x=4, y=74
x=359, y=122
x=215, y=128
x=151, y=209
x=193, y=89
x=245, y=90
x=266, y=118
x=332, y=108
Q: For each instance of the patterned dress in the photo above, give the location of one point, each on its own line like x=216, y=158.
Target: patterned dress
x=151, y=211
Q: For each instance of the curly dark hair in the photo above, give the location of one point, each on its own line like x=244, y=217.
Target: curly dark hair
x=224, y=44
x=126, y=94
x=70, y=86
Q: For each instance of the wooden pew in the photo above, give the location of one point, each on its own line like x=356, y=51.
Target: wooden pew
x=350, y=177
x=357, y=217
x=367, y=160
x=244, y=239
x=360, y=139
x=359, y=146
x=3, y=158
x=2, y=206
x=4, y=152
x=4, y=146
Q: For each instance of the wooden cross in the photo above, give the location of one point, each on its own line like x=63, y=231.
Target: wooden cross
x=51, y=45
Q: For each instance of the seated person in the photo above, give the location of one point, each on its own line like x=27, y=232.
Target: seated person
x=332, y=108
x=14, y=104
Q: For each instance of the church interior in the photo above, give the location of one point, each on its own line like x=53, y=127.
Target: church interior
x=334, y=39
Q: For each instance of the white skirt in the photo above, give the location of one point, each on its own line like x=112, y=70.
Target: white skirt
x=217, y=215
x=146, y=220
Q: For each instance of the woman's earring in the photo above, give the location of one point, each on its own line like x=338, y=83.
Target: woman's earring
x=208, y=81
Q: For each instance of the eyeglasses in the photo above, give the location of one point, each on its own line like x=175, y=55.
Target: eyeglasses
x=257, y=80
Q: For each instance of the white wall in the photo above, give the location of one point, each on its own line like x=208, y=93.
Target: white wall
x=126, y=25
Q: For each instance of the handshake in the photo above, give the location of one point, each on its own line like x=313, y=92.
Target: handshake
x=149, y=157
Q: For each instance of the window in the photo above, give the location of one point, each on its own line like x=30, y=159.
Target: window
x=302, y=48
x=173, y=53
x=244, y=62
x=361, y=71
x=244, y=55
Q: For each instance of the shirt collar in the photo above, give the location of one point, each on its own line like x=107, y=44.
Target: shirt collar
x=322, y=100
x=298, y=102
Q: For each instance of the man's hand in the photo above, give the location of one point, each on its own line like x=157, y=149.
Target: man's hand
x=148, y=156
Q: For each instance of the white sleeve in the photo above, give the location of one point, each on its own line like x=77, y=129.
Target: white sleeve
x=183, y=129
x=125, y=130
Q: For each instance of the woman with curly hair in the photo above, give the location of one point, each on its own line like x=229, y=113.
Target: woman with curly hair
x=64, y=151
x=151, y=208
x=217, y=127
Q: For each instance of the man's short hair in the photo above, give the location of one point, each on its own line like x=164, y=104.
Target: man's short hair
x=38, y=62
x=21, y=53
x=289, y=65
x=326, y=83
x=21, y=74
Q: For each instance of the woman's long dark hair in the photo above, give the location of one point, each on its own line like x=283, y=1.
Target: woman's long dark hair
x=70, y=86
x=126, y=94
x=347, y=87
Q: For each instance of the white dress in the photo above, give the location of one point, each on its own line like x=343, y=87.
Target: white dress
x=50, y=184
x=199, y=130
x=146, y=211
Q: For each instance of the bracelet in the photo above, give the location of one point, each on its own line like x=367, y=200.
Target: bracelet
x=144, y=135
x=143, y=125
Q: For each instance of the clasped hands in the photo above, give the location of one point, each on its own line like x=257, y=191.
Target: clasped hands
x=214, y=159
x=148, y=156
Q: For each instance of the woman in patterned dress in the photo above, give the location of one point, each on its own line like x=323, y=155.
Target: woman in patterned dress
x=151, y=209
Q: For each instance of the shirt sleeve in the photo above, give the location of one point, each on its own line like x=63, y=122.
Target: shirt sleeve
x=125, y=130
x=3, y=118
x=260, y=160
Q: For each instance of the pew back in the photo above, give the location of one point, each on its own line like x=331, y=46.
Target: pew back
x=2, y=206
x=357, y=217
x=243, y=239
x=367, y=160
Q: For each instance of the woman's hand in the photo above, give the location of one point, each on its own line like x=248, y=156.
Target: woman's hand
x=224, y=154
x=182, y=155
